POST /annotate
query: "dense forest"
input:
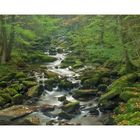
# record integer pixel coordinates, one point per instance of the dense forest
(70, 70)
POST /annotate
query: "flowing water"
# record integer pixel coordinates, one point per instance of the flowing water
(84, 117)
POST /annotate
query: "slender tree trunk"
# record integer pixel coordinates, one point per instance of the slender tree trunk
(3, 40)
(11, 40)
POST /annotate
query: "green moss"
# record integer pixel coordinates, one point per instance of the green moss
(3, 84)
(39, 57)
(133, 104)
(128, 119)
(84, 94)
(2, 101)
(122, 108)
(8, 77)
(29, 84)
(109, 95)
(18, 87)
(64, 84)
(51, 74)
(71, 107)
(20, 75)
(6, 97)
(17, 99)
(10, 91)
(126, 95)
(34, 91)
(118, 86)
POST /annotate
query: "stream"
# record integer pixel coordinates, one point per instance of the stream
(89, 113)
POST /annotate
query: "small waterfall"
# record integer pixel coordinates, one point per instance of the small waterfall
(40, 78)
(100, 113)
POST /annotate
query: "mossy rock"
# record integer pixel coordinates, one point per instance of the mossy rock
(51, 74)
(6, 97)
(133, 104)
(91, 82)
(93, 77)
(71, 107)
(50, 83)
(20, 75)
(84, 94)
(118, 85)
(10, 91)
(8, 77)
(1, 91)
(35, 91)
(121, 109)
(17, 99)
(128, 118)
(126, 95)
(3, 84)
(30, 79)
(110, 95)
(2, 101)
(29, 84)
(39, 57)
(65, 85)
(17, 87)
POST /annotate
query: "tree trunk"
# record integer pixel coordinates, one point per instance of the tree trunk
(11, 40)
(3, 40)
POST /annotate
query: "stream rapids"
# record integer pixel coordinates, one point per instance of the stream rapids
(51, 117)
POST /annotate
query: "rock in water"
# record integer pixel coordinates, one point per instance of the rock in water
(84, 94)
(14, 112)
(35, 91)
(71, 107)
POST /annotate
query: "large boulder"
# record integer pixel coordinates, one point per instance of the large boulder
(118, 86)
(35, 91)
(10, 91)
(65, 85)
(20, 75)
(18, 86)
(29, 84)
(50, 83)
(71, 107)
(84, 94)
(91, 78)
(51, 74)
(14, 112)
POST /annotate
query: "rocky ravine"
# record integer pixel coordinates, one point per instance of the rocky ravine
(68, 97)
